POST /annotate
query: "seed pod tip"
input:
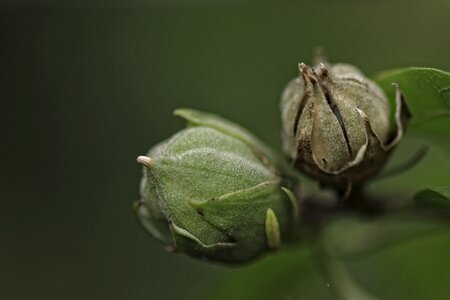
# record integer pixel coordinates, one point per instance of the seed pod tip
(146, 161)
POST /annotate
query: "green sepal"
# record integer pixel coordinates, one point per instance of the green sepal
(156, 226)
(179, 234)
(242, 215)
(260, 149)
(201, 163)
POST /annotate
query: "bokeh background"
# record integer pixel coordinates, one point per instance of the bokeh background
(86, 86)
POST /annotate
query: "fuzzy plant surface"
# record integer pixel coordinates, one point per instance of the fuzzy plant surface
(341, 191)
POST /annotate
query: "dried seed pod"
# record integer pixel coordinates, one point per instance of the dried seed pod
(336, 124)
(211, 191)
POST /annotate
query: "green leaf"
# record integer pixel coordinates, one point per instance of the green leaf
(400, 272)
(355, 237)
(288, 274)
(427, 92)
(437, 198)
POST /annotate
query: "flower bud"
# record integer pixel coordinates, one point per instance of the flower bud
(210, 191)
(336, 124)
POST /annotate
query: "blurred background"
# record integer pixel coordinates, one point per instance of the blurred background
(87, 86)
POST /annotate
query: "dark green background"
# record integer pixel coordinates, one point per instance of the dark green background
(87, 87)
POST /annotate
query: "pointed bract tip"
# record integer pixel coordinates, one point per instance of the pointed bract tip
(302, 66)
(323, 70)
(272, 230)
(146, 161)
(307, 73)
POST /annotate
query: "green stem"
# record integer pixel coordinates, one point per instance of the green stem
(338, 278)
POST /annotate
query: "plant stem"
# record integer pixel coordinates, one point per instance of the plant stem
(338, 278)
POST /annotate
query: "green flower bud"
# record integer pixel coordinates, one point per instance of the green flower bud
(336, 124)
(211, 191)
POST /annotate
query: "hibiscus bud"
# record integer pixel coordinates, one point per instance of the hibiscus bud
(211, 192)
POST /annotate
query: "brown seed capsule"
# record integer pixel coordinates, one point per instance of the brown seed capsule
(336, 124)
